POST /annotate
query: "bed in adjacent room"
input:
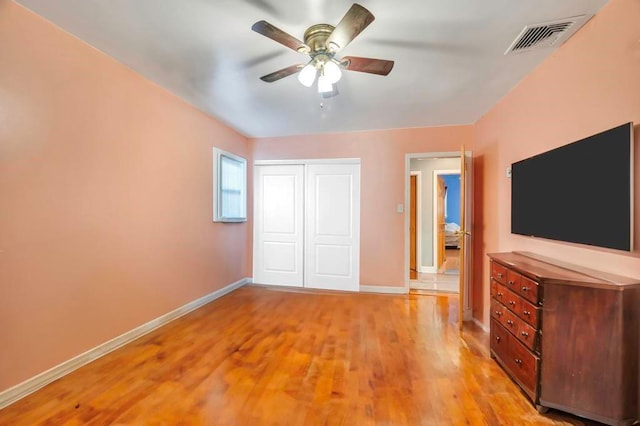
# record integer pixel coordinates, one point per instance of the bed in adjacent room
(451, 235)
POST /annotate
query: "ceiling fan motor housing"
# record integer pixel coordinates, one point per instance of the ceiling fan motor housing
(316, 37)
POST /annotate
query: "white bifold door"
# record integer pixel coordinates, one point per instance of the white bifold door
(307, 225)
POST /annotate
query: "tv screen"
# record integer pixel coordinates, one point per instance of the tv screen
(579, 193)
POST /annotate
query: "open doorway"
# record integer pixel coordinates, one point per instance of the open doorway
(434, 263)
(447, 224)
(438, 176)
(426, 252)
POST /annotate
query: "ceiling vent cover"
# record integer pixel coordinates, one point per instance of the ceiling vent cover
(546, 34)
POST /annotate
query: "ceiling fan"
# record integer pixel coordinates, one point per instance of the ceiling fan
(322, 42)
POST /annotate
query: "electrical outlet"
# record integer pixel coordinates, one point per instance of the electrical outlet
(509, 172)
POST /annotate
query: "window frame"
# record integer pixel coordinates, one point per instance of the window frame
(218, 169)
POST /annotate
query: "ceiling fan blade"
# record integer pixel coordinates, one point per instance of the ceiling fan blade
(368, 65)
(356, 19)
(284, 72)
(276, 34)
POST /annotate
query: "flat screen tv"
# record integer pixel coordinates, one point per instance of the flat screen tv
(580, 193)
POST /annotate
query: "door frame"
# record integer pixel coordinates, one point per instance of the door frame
(436, 173)
(418, 175)
(469, 215)
(304, 162)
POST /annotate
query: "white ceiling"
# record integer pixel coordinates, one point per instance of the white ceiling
(449, 62)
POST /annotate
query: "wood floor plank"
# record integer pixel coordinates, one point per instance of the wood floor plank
(265, 356)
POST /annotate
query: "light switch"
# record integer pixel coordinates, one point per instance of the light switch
(509, 172)
(400, 208)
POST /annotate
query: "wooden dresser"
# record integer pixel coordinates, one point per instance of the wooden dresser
(568, 336)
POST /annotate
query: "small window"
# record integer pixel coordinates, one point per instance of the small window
(230, 187)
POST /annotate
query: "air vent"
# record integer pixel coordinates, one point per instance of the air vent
(547, 34)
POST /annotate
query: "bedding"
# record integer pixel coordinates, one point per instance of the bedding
(451, 236)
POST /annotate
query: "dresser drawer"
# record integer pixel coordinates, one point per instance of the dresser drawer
(498, 311)
(512, 301)
(530, 290)
(527, 335)
(515, 325)
(500, 293)
(510, 321)
(523, 364)
(498, 272)
(529, 312)
(499, 339)
(514, 280)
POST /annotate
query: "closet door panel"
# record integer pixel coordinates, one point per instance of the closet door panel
(278, 225)
(332, 251)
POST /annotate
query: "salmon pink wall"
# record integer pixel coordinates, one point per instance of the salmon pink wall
(382, 170)
(590, 84)
(105, 195)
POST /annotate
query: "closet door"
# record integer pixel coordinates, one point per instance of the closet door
(278, 225)
(332, 247)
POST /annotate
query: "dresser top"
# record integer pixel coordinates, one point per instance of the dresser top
(549, 270)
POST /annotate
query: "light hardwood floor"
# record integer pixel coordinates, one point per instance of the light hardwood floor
(261, 356)
(436, 283)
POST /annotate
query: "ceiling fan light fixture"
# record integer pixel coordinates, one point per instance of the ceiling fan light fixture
(307, 75)
(332, 71)
(324, 85)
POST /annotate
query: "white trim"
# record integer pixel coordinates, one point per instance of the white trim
(443, 154)
(383, 289)
(480, 324)
(436, 173)
(218, 216)
(308, 161)
(31, 385)
(418, 173)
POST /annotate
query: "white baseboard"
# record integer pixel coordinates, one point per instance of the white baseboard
(480, 324)
(31, 385)
(383, 289)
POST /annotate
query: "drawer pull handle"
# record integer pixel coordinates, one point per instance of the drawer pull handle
(497, 338)
(525, 334)
(511, 282)
(499, 294)
(498, 313)
(509, 322)
(527, 313)
(518, 361)
(512, 303)
(525, 289)
(499, 274)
